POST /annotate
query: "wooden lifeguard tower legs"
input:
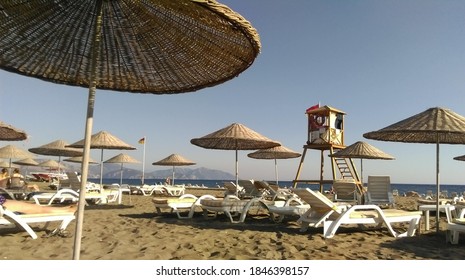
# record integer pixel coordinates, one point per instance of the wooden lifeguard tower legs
(342, 168)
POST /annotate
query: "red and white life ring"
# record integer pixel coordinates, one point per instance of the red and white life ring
(317, 121)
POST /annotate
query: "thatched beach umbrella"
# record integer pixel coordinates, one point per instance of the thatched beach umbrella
(461, 158)
(362, 150)
(10, 133)
(122, 159)
(279, 152)
(433, 126)
(235, 137)
(158, 47)
(174, 160)
(26, 162)
(51, 164)
(104, 140)
(12, 152)
(57, 148)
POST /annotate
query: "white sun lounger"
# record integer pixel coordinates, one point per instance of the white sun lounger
(184, 202)
(8, 219)
(232, 206)
(324, 211)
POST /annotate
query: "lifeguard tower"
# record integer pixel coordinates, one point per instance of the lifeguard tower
(326, 133)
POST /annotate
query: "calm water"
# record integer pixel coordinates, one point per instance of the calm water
(402, 188)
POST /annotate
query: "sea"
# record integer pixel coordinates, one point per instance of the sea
(402, 189)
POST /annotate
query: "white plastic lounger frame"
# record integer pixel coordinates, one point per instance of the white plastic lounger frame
(231, 205)
(9, 218)
(455, 226)
(324, 211)
(291, 207)
(58, 197)
(376, 216)
(174, 190)
(185, 202)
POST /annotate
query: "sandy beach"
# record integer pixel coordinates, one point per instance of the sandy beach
(133, 231)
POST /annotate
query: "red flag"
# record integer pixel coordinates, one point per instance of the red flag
(142, 141)
(313, 108)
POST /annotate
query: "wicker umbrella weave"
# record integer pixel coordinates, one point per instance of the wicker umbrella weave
(10, 133)
(168, 46)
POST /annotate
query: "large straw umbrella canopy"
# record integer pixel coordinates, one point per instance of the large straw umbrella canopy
(362, 150)
(275, 153)
(10, 133)
(174, 160)
(432, 126)
(51, 164)
(235, 137)
(158, 47)
(12, 152)
(104, 140)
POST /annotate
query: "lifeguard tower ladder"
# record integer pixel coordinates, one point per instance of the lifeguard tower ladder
(326, 133)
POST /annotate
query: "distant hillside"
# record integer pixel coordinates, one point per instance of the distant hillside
(200, 173)
(112, 171)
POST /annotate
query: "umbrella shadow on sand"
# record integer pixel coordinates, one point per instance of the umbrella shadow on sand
(108, 207)
(431, 245)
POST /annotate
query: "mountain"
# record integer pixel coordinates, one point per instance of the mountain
(112, 171)
(200, 173)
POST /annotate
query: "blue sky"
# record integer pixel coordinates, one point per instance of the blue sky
(378, 61)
